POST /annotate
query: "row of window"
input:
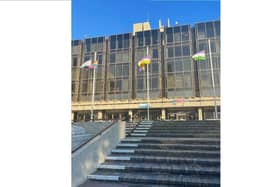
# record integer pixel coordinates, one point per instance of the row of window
(120, 41)
(209, 29)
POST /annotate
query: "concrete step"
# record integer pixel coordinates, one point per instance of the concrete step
(167, 153)
(161, 159)
(170, 146)
(182, 135)
(159, 179)
(161, 168)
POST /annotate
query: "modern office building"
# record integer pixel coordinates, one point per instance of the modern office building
(179, 87)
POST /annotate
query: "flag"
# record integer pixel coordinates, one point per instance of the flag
(143, 61)
(89, 64)
(199, 56)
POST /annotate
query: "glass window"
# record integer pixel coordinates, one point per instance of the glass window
(155, 36)
(179, 81)
(217, 28)
(140, 84)
(186, 50)
(73, 87)
(125, 57)
(210, 29)
(74, 62)
(154, 83)
(185, 33)
(111, 70)
(140, 38)
(84, 86)
(113, 42)
(170, 67)
(201, 31)
(75, 42)
(126, 41)
(187, 64)
(213, 46)
(170, 81)
(169, 35)
(147, 37)
(170, 52)
(178, 51)
(100, 40)
(112, 85)
(119, 85)
(120, 40)
(178, 66)
(99, 58)
(112, 58)
(125, 70)
(188, 80)
(155, 53)
(125, 85)
(154, 68)
(177, 34)
(119, 70)
(88, 41)
(202, 46)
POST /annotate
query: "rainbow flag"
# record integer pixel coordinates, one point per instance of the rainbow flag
(89, 64)
(199, 56)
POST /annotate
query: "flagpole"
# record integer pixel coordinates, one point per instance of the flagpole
(213, 80)
(93, 90)
(148, 87)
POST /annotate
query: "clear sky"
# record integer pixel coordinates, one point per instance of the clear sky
(93, 18)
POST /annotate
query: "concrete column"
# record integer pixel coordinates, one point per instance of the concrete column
(200, 115)
(99, 115)
(130, 114)
(163, 114)
(72, 116)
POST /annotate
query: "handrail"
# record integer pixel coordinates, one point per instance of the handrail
(99, 133)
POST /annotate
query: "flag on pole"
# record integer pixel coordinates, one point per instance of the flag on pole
(143, 61)
(199, 56)
(89, 64)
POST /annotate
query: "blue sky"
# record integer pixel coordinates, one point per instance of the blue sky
(93, 18)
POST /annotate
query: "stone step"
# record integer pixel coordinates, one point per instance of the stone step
(170, 146)
(138, 134)
(167, 153)
(161, 168)
(159, 179)
(182, 135)
(161, 159)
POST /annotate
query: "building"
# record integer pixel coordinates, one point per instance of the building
(179, 87)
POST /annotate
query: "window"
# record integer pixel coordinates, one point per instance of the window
(202, 46)
(177, 34)
(169, 35)
(75, 42)
(74, 62)
(188, 80)
(178, 66)
(171, 82)
(210, 29)
(154, 68)
(140, 38)
(170, 67)
(125, 70)
(178, 51)
(185, 33)
(99, 58)
(201, 31)
(187, 64)
(125, 85)
(112, 58)
(112, 85)
(154, 83)
(111, 70)
(125, 57)
(119, 85)
(179, 81)
(147, 37)
(119, 38)
(113, 42)
(213, 46)
(170, 52)
(73, 86)
(126, 41)
(118, 70)
(186, 50)
(155, 53)
(140, 84)
(154, 36)
(88, 44)
(217, 28)
(84, 86)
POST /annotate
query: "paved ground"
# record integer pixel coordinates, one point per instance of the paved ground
(107, 184)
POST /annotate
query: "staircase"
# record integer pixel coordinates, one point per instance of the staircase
(177, 153)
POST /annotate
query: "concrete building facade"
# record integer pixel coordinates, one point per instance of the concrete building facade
(180, 88)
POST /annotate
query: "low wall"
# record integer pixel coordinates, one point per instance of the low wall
(86, 159)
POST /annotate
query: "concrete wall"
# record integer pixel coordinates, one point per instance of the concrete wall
(86, 159)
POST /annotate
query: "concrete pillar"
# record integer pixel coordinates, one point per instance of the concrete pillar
(130, 114)
(99, 115)
(163, 114)
(120, 116)
(72, 116)
(200, 115)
